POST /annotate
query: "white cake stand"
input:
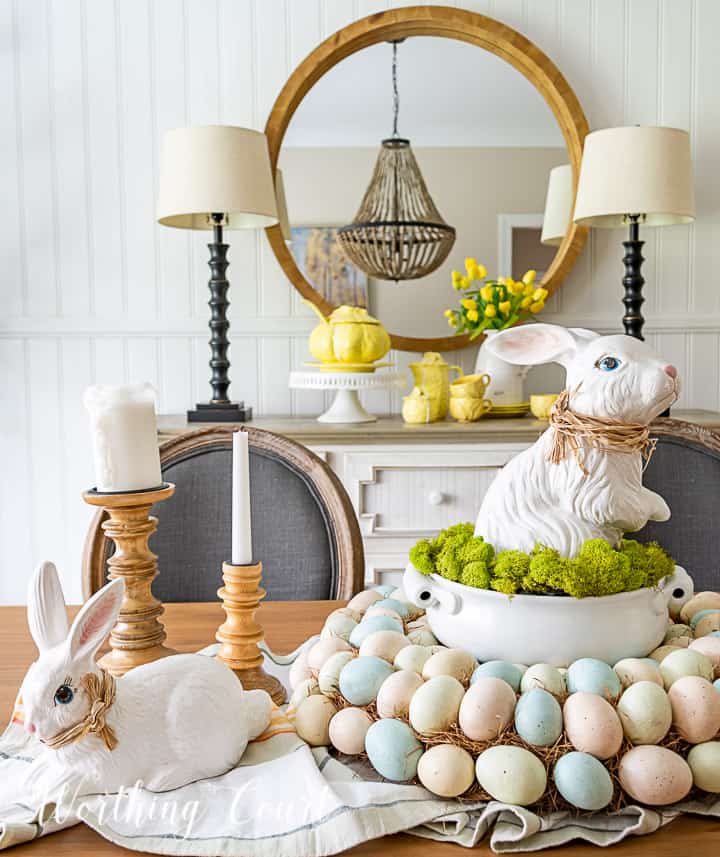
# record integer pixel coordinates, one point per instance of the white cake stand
(346, 407)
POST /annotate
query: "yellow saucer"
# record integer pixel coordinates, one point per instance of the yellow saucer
(516, 410)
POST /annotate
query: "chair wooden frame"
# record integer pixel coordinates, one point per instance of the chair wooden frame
(691, 432)
(340, 513)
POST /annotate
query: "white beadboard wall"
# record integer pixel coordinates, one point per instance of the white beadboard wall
(93, 290)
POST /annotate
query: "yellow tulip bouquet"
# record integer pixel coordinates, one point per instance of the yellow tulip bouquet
(493, 304)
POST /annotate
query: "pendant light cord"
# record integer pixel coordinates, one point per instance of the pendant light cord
(396, 96)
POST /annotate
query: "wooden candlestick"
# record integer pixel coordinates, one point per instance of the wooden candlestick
(138, 636)
(240, 634)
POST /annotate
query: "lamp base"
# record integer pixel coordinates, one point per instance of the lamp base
(217, 412)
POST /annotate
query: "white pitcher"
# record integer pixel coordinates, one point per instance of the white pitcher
(506, 379)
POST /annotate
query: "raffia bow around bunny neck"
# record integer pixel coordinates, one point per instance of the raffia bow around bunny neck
(578, 430)
(101, 693)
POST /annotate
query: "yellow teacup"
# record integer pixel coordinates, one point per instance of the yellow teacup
(541, 405)
(468, 409)
(472, 386)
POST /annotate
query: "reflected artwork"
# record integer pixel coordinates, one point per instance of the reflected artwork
(325, 266)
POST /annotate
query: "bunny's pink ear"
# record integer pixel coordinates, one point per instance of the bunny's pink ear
(95, 620)
(532, 344)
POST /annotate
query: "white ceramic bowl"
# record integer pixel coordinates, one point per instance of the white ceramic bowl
(531, 629)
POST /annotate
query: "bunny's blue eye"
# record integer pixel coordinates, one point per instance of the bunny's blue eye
(607, 364)
(63, 695)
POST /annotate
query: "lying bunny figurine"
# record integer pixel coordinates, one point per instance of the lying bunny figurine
(158, 729)
(535, 500)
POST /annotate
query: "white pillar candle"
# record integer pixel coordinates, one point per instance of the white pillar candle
(241, 531)
(124, 437)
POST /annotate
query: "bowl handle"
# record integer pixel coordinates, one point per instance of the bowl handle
(677, 587)
(424, 592)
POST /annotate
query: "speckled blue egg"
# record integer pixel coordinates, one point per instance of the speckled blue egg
(385, 589)
(593, 676)
(360, 679)
(538, 718)
(393, 750)
(370, 624)
(510, 673)
(400, 607)
(583, 781)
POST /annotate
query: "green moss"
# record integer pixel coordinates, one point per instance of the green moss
(597, 570)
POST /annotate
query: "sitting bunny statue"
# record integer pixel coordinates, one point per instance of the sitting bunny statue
(562, 494)
(153, 725)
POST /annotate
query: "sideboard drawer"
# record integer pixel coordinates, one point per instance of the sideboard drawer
(414, 493)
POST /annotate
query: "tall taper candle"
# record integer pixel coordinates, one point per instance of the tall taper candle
(241, 532)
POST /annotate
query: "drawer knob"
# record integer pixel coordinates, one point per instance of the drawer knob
(436, 498)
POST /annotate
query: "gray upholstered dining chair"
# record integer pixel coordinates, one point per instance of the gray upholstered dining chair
(304, 528)
(685, 470)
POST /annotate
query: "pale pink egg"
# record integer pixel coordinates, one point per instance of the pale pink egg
(322, 650)
(695, 708)
(487, 708)
(592, 725)
(655, 775)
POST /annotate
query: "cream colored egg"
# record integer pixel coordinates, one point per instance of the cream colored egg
(323, 649)
(592, 724)
(393, 699)
(435, 704)
(684, 662)
(710, 647)
(700, 601)
(422, 637)
(677, 630)
(695, 708)
(454, 662)
(412, 658)
(487, 708)
(446, 770)
(704, 761)
(312, 720)
(632, 670)
(383, 644)
(662, 652)
(655, 775)
(347, 730)
(545, 677)
(329, 675)
(307, 687)
(645, 713)
(339, 624)
(364, 599)
(511, 774)
(299, 670)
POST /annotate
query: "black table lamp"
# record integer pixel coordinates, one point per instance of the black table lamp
(639, 175)
(217, 177)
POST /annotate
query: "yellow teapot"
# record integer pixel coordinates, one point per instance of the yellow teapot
(350, 335)
(432, 377)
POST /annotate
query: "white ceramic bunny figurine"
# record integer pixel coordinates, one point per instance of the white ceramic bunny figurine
(534, 500)
(173, 721)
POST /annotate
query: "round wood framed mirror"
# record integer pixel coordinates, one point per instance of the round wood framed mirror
(444, 23)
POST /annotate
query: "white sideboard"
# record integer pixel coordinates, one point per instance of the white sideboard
(410, 482)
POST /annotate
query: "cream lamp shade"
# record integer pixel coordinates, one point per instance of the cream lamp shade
(216, 169)
(558, 205)
(282, 207)
(638, 170)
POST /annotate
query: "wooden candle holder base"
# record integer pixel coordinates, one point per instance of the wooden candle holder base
(240, 634)
(138, 636)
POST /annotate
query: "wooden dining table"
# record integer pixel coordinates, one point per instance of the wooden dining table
(286, 625)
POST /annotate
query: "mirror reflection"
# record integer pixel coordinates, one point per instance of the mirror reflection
(484, 141)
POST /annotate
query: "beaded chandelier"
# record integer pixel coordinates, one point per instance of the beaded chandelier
(397, 233)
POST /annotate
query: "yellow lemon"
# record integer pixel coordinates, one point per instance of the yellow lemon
(473, 315)
(504, 307)
(537, 306)
(490, 311)
(469, 303)
(529, 277)
(540, 294)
